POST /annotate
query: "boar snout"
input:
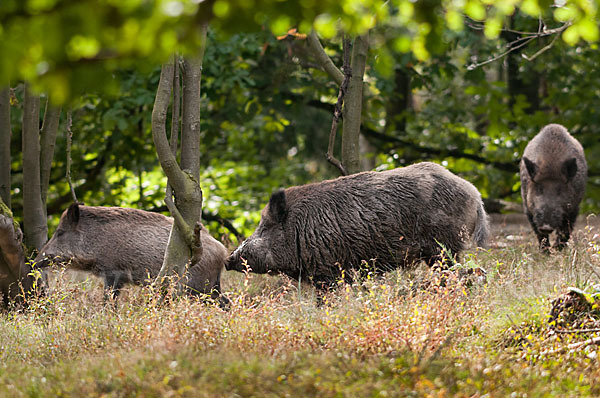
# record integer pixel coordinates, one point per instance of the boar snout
(231, 264)
(546, 229)
(44, 260)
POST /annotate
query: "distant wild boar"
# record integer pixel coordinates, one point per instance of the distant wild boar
(390, 219)
(553, 178)
(127, 246)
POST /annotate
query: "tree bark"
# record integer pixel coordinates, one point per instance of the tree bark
(5, 134)
(353, 106)
(34, 214)
(48, 143)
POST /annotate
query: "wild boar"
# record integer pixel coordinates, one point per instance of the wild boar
(553, 178)
(127, 246)
(389, 219)
(15, 277)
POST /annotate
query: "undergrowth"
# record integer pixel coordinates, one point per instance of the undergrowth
(408, 333)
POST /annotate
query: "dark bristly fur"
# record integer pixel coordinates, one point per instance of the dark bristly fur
(390, 219)
(127, 246)
(553, 179)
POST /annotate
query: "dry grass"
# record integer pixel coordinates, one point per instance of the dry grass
(382, 337)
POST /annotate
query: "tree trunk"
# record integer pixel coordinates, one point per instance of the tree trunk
(184, 180)
(353, 106)
(5, 134)
(48, 143)
(34, 214)
(399, 102)
(517, 82)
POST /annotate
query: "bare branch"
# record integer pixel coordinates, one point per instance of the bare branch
(497, 57)
(576, 331)
(69, 141)
(571, 347)
(323, 59)
(541, 51)
(523, 41)
(338, 109)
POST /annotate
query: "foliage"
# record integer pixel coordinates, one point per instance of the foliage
(65, 49)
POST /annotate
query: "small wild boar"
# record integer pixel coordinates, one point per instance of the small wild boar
(127, 246)
(553, 178)
(389, 219)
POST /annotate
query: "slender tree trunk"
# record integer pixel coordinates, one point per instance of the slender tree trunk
(190, 118)
(5, 134)
(48, 143)
(353, 97)
(34, 215)
(353, 106)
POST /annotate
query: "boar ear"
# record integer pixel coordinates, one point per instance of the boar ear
(277, 206)
(570, 168)
(73, 213)
(531, 167)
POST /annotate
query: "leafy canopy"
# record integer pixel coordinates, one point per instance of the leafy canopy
(68, 48)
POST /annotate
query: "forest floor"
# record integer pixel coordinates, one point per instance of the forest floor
(409, 333)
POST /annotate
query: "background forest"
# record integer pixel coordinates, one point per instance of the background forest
(464, 83)
(266, 109)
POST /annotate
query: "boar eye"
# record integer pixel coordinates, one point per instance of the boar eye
(59, 233)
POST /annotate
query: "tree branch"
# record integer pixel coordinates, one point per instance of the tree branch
(178, 219)
(338, 109)
(512, 167)
(159, 117)
(571, 347)
(523, 41)
(206, 216)
(323, 59)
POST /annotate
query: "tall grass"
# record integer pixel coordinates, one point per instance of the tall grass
(403, 334)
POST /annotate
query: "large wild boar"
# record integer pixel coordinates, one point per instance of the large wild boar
(390, 219)
(127, 246)
(553, 178)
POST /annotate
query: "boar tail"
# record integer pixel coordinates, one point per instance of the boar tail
(482, 227)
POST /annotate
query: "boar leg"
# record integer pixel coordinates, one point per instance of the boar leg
(113, 282)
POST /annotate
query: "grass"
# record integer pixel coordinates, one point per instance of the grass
(399, 335)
